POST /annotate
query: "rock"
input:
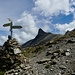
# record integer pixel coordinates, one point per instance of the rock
(53, 57)
(62, 72)
(48, 53)
(57, 51)
(54, 62)
(27, 67)
(62, 67)
(51, 69)
(22, 66)
(73, 73)
(59, 74)
(67, 53)
(66, 61)
(43, 61)
(55, 54)
(68, 50)
(16, 73)
(71, 41)
(17, 50)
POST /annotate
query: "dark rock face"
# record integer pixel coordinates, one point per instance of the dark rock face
(40, 39)
(41, 32)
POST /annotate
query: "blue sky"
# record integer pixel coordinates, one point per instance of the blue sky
(56, 16)
(62, 19)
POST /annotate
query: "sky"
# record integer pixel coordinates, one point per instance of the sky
(55, 16)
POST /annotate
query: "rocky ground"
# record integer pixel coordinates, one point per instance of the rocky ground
(57, 59)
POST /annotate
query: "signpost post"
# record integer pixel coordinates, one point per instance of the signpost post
(11, 26)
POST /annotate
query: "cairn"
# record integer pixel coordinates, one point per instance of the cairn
(9, 54)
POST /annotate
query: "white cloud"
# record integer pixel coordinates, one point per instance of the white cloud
(74, 15)
(2, 39)
(28, 22)
(64, 27)
(23, 37)
(30, 26)
(46, 28)
(53, 7)
(45, 24)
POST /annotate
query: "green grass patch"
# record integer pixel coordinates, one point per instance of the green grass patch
(1, 73)
(33, 51)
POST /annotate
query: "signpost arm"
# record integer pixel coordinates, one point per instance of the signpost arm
(11, 26)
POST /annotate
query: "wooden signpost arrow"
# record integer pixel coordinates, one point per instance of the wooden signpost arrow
(11, 26)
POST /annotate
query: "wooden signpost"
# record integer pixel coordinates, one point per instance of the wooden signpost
(11, 26)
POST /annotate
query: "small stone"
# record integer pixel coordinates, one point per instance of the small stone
(22, 66)
(17, 50)
(48, 53)
(51, 69)
(55, 54)
(59, 74)
(68, 50)
(62, 72)
(73, 74)
(57, 51)
(43, 61)
(62, 67)
(66, 61)
(54, 62)
(27, 67)
(16, 73)
(53, 57)
(67, 53)
(61, 50)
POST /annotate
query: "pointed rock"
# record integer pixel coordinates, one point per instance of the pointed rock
(40, 31)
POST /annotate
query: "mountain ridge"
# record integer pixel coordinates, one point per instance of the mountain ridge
(41, 38)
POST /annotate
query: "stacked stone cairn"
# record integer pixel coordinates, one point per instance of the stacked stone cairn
(12, 60)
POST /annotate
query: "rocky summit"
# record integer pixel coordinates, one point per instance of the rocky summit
(41, 38)
(55, 57)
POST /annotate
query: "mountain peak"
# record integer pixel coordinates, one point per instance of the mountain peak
(41, 38)
(40, 31)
